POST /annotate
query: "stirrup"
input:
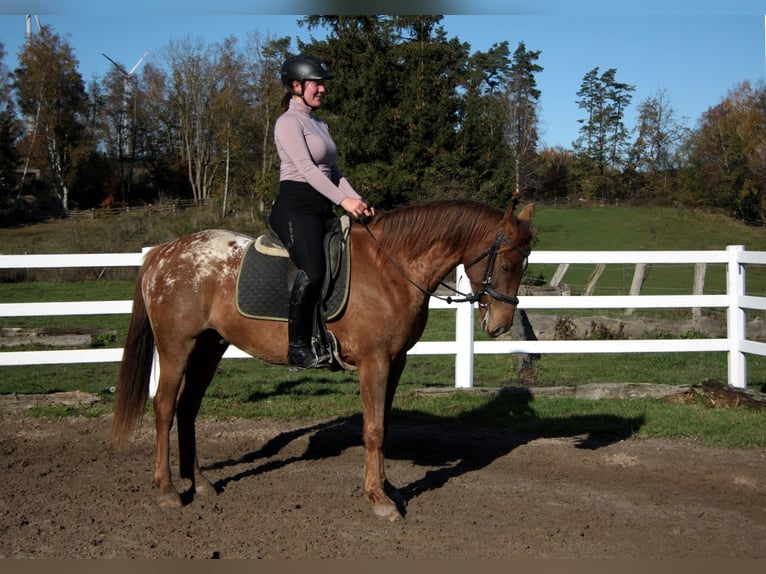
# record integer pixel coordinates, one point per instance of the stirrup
(302, 358)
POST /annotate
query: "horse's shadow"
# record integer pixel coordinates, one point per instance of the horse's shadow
(463, 444)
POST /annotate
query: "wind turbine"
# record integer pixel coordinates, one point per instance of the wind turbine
(122, 69)
(126, 133)
(127, 88)
(29, 27)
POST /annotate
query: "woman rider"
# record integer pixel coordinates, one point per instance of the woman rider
(310, 184)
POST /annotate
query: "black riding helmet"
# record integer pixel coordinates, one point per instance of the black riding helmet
(304, 67)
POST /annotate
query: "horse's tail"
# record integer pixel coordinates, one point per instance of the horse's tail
(135, 368)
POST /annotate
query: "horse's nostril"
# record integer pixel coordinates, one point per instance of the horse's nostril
(499, 331)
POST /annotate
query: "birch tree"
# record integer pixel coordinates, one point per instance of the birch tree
(51, 92)
(659, 134)
(193, 88)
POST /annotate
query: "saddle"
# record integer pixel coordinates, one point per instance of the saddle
(266, 276)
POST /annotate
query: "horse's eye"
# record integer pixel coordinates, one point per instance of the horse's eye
(504, 266)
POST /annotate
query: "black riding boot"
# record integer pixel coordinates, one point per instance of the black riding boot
(300, 324)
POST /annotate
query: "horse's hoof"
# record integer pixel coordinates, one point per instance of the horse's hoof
(170, 500)
(387, 510)
(204, 488)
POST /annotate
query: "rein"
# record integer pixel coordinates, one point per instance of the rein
(486, 284)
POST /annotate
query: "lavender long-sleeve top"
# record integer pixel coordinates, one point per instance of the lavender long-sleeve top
(308, 153)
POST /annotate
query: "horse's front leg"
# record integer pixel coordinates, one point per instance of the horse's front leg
(377, 386)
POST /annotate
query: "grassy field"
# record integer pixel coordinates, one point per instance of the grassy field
(643, 229)
(250, 388)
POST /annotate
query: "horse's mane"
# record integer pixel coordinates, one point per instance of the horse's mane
(409, 229)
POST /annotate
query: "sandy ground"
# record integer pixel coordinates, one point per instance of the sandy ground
(295, 491)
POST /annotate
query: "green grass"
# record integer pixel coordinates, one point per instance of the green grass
(639, 228)
(248, 388)
(83, 290)
(87, 290)
(643, 229)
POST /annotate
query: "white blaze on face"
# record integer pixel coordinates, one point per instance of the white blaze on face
(485, 320)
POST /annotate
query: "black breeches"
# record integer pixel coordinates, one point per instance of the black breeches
(298, 217)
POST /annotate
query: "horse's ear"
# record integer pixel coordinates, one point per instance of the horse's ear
(508, 216)
(527, 213)
(524, 215)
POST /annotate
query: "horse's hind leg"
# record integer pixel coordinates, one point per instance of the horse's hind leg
(199, 372)
(168, 389)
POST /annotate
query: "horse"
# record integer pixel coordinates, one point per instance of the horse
(184, 307)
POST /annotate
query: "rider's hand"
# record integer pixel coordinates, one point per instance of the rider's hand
(357, 207)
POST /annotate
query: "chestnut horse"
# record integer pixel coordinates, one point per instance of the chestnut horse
(184, 305)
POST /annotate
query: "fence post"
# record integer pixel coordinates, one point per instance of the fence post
(590, 287)
(736, 322)
(639, 277)
(154, 375)
(559, 274)
(463, 334)
(699, 286)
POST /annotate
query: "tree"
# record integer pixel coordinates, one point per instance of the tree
(393, 107)
(555, 172)
(481, 151)
(158, 136)
(120, 114)
(727, 155)
(603, 133)
(522, 99)
(263, 57)
(229, 105)
(433, 68)
(658, 137)
(601, 146)
(363, 102)
(195, 84)
(9, 132)
(50, 91)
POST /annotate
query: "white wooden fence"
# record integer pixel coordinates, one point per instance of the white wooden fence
(735, 301)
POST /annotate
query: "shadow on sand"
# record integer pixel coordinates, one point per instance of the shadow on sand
(448, 446)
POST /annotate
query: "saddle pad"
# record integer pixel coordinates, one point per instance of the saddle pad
(263, 286)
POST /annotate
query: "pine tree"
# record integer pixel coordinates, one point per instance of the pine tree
(9, 133)
(522, 98)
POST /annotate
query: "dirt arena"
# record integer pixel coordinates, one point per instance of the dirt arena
(295, 491)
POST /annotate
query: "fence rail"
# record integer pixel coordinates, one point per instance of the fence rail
(735, 301)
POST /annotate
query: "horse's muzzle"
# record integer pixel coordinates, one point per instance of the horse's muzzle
(496, 330)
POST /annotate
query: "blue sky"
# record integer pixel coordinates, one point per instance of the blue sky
(695, 51)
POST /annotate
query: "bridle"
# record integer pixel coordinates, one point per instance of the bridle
(486, 283)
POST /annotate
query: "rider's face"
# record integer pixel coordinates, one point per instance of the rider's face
(313, 91)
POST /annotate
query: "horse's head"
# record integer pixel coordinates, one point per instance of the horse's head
(505, 263)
